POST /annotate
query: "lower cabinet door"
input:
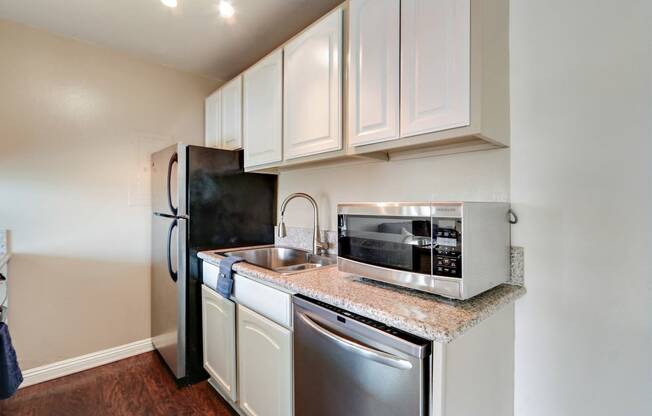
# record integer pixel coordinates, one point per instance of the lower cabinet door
(218, 321)
(264, 365)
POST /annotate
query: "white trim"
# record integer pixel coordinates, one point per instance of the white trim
(84, 362)
(438, 378)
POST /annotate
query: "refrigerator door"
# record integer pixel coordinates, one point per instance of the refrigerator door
(169, 181)
(228, 207)
(168, 288)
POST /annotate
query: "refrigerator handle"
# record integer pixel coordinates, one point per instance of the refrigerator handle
(174, 159)
(173, 274)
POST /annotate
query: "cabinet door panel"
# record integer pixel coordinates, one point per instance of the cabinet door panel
(374, 71)
(264, 365)
(435, 71)
(232, 114)
(312, 89)
(218, 321)
(212, 117)
(262, 111)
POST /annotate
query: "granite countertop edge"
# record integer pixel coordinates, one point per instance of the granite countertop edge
(4, 259)
(444, 328)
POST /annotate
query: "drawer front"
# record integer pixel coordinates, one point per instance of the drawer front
(210, 273)
(267, 301)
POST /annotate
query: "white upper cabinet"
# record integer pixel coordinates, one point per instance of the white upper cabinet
(373, 94)
(218, 321)
(313, 89)
(232, 114)
(212, 117)
(262, 121)
(435, 65)
(264, 365)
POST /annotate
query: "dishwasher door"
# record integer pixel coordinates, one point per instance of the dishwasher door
(345, 364)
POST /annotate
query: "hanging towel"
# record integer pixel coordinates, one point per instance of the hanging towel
(225, 280)
(10, 375)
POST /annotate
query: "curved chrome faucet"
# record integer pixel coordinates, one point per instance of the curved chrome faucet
(318, 247)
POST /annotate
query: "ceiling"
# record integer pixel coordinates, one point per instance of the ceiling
(192, 37)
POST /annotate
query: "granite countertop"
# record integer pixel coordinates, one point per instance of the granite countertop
(4, 259)
(425, 315)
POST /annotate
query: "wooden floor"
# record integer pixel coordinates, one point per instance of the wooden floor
(139, 385)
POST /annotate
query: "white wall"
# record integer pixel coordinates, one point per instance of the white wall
(77, 123)
(475, 176)
(581, 169)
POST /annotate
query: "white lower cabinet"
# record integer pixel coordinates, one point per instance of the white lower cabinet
(219, 339)
(264, 365)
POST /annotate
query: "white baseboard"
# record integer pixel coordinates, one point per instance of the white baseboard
(84, 362)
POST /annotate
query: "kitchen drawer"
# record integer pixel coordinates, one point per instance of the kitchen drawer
(267, 301)
(210, 272)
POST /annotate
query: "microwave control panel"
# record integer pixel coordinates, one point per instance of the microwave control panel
(447, 250)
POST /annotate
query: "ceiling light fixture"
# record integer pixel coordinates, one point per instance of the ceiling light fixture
(170, 3)
(226, 9)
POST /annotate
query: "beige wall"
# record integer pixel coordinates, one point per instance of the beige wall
(77, 123)
(474, 176)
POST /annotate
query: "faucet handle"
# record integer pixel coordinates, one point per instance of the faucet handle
(322, 247)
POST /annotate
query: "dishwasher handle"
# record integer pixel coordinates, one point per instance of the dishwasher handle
(370, 353)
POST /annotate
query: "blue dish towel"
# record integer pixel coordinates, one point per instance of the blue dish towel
(225, 280)
(10, 375)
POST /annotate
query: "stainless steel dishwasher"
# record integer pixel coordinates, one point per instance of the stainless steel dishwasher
(346, 364)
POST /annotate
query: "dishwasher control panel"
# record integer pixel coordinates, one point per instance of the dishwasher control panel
(343, 315)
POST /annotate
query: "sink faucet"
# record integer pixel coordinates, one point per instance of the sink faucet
(318, 247)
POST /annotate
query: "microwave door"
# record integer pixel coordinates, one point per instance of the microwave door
(169, 181)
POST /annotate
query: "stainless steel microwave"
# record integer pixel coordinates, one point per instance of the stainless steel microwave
(453, 249)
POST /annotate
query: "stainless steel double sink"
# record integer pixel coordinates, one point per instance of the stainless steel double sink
(283, 260)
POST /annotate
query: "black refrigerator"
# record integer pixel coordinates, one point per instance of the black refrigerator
(201, 199)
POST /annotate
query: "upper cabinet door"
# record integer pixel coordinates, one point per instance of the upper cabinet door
(435, 65)
(374, 43)
(232, 114)
(212, 117)
(313, 89)
(262, 122)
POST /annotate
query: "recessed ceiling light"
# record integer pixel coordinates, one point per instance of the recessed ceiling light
(226, 9)
(170, 3)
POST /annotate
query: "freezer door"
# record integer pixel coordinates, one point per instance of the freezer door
(169, 181)
(169, 291)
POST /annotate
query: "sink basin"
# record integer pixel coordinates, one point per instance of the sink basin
(283, 260)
